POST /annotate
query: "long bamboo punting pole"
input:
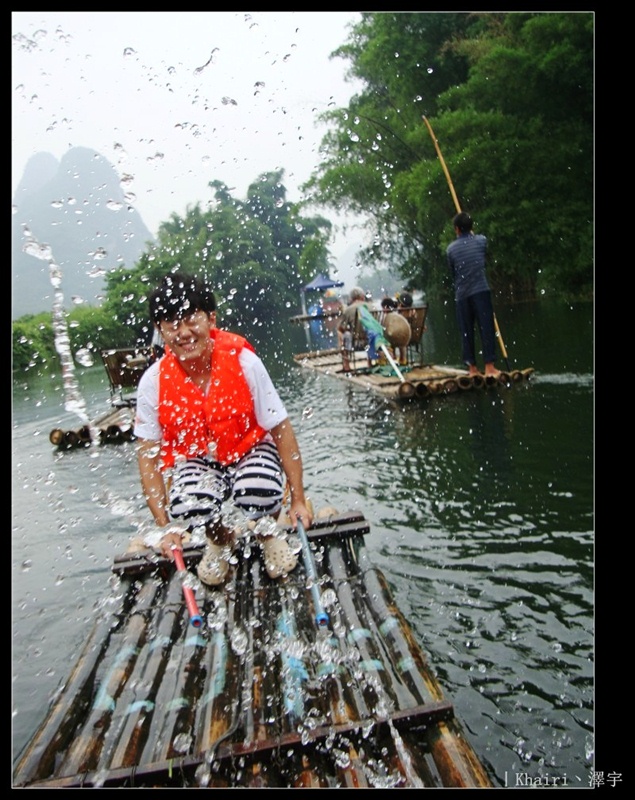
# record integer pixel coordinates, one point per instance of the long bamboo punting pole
(457, 205)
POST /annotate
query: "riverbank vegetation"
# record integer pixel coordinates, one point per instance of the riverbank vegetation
(509, 97)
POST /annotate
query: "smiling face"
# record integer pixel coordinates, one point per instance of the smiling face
(188, 337)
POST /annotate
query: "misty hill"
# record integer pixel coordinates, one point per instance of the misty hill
(75, 213)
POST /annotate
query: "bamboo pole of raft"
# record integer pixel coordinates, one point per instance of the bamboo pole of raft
(453, 756)
(369, 671)
(253, 661)
(256, 698)
(293, 670)
(139, 702)
(340, 711)
(183, 709)
(396, 688)
(262, 710)
(407, 656)
(84, 752)
(425, 684)
(297, 705)
(449, 386)
(221, 698)
(344, 704)
(174, 696)
(37, 761)
(308, 778)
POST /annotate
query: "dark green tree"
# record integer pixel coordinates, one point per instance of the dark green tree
(404, 62)
(510, 97)
(256, 254)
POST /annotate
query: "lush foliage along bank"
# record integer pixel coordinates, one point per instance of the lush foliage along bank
(509, 97)
(256, 253)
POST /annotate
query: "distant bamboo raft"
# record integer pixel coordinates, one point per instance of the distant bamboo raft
(113, 427)
(427, 380)
(259, 696)
(124, 368)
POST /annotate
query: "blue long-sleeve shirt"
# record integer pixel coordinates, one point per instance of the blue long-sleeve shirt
(466, 258)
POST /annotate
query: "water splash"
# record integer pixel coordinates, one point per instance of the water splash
(565, 378)
(73, 400)
(405, 757)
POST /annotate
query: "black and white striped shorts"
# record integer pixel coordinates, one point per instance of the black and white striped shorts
(200, 486)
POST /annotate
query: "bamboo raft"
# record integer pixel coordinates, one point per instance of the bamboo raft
(259, 695)
(124, 368)
(112, 427)
(419, 380)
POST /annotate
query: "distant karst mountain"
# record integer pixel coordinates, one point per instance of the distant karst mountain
(75, 213)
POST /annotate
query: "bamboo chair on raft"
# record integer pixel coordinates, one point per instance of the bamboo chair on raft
(124, 367)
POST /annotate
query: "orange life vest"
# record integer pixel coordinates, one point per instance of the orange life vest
(221, 424)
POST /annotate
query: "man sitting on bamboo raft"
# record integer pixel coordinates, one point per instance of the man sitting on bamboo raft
(211, 426)
(351, 321)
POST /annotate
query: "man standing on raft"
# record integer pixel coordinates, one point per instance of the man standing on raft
(466, 259)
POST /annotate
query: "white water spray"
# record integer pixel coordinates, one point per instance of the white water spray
(73, 400)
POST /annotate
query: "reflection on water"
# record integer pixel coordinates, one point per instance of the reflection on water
(480, 507)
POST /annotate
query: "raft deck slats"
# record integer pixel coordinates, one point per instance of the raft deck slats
(259, 696)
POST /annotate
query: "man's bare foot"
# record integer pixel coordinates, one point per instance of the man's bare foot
(491, 371)
(473, 370)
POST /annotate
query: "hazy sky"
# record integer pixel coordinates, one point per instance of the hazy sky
(176, 99)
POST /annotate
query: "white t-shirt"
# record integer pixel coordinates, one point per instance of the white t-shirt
(268, 406)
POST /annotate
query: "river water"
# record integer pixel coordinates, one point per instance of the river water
(481, 507)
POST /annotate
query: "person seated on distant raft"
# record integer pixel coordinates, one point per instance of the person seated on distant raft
(347, 349)
(387, 305)
(405, 300)
(397, 330)
(350, 319)
(209, 416)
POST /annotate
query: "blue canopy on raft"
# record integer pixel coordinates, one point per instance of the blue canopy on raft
(322, 282)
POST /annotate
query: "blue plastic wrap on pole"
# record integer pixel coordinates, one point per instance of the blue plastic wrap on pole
(321, 617)
(372, 325)
(294, 672)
